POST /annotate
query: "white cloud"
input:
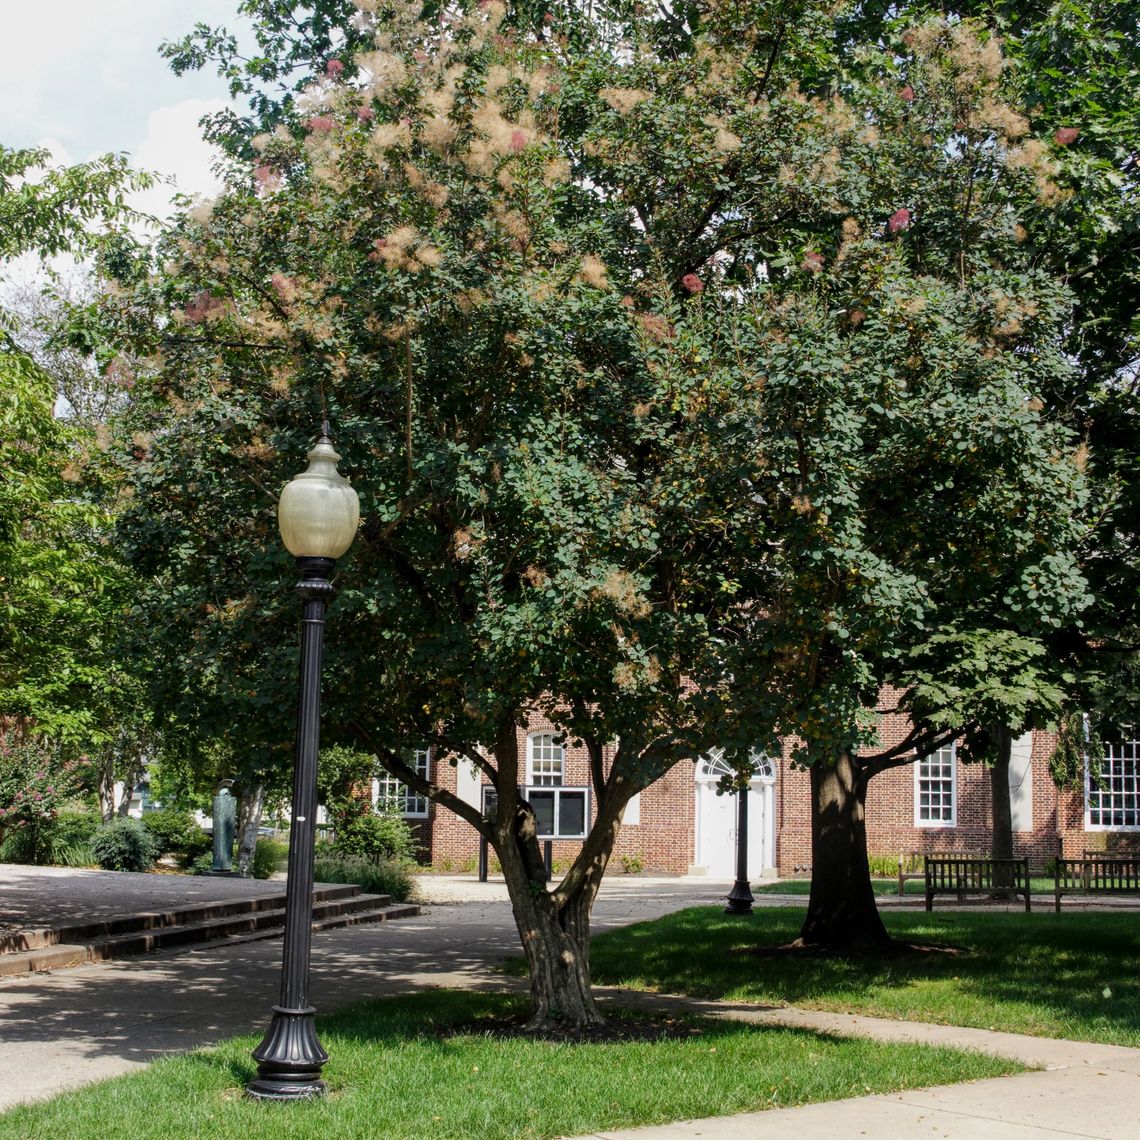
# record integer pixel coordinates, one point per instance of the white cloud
(174, 147)
(88, 72)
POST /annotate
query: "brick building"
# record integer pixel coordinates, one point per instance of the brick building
(680, 825)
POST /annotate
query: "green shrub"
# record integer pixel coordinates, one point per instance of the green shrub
(374, 837)
(25, 846)
(63, 840)
(632, 864)
(71, 838)
(177, 833)
(202, 844)
(124, 845)
(883, 866)
(386, 877)
(36, 783)
(269, 856)
(73, 855)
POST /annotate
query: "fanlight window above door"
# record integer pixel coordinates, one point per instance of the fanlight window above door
(713, 766)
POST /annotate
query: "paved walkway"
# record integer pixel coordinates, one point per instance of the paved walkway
(69, 1028)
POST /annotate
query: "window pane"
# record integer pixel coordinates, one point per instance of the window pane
(572, 813)
(546, 760)
(543, 805)
(392, 795)
(934, 787)
(490, 803)
(1113, 789)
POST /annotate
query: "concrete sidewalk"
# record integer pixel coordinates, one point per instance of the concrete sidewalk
(1084, 1090)
(72, 1027)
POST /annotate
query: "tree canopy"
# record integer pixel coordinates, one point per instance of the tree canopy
(691, 367)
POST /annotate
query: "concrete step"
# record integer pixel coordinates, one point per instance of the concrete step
(373, 914)
(140, 934)
(18, 941)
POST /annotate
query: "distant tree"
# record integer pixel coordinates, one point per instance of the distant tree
(49, 210)
(61, 588)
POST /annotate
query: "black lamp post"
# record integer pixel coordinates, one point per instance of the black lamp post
(740, 897)
(317, 514)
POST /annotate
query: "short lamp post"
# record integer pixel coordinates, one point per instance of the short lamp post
(740, 897)
(318, 513)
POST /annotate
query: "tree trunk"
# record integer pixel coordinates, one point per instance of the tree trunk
(1001, 844)
(842, 914)
(249, 820)
(554, 928)
(106, 788)
(112, 760)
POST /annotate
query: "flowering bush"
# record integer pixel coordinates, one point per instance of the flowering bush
(35, 782)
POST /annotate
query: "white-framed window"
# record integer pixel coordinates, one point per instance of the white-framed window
(389, 794)
(560, 813)
(936, 788)
(1112, 795)
(545, 760)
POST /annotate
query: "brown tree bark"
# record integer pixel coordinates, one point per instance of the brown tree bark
(106, 791)
(554, 925)
(128, 762)
(1001, 843)
(842, 914)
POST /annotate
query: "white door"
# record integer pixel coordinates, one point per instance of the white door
(716, 819)
(716, 831)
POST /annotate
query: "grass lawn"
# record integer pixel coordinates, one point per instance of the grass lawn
(1066, 975)
(880, 887)
(393, 1075)
(803, 887)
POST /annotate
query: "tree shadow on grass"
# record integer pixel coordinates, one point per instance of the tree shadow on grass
(1075, 975)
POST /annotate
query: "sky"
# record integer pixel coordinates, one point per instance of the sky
(84, 77)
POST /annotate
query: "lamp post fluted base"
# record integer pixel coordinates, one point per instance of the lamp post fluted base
(289, 1058)
(739, 898)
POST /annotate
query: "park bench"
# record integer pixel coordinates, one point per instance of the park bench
(1098, 874)
(961, 875)
(912, 864)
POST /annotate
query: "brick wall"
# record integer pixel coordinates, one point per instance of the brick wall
(663, 839)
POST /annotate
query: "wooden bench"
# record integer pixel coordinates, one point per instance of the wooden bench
(1096, 875)
(912, 864)
(961, 876)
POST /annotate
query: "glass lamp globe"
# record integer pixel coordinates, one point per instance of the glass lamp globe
(318, 511)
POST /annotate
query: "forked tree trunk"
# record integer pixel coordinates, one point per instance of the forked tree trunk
(1001, 843)
(249, 820)
(132, 777)
(842, 914)
(557, 944)
(555, 933)
(112, 805)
